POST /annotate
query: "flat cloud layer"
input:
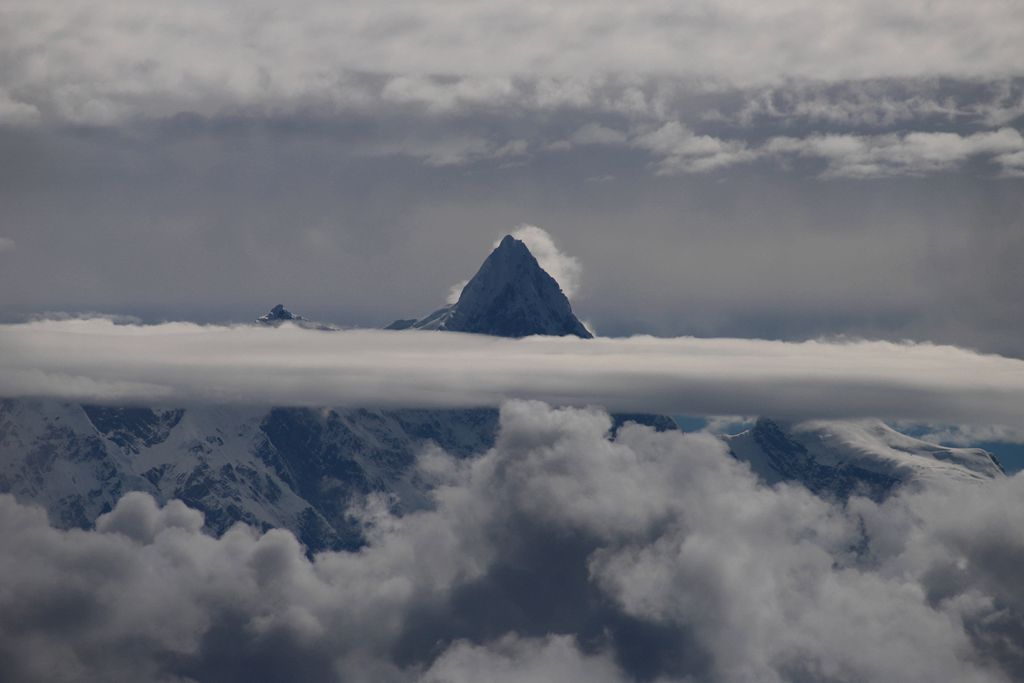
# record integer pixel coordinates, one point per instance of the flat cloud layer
(559, 555)
(98, 360)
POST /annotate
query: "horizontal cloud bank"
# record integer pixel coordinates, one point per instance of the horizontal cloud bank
(844, 155)
(177, 363)
(559, 555)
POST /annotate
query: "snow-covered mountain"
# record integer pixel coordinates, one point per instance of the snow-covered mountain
(301, 468)
(867, 457)
(287, 467)
(510, 296)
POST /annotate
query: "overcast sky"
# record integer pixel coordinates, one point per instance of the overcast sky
(787, 169)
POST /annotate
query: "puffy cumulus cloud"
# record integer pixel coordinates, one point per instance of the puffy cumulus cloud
(565, 269)
(560, 554)
(107, 61)
(138, 517)
(98, 360)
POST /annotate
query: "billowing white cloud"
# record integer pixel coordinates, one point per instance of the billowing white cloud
(565, 269)
(560, 554)
(96, 360)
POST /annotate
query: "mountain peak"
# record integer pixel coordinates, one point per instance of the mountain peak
(508, 242)
(510, 296)
(277, 314)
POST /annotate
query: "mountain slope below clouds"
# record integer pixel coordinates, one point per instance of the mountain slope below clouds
(294, 468)
(837, 458)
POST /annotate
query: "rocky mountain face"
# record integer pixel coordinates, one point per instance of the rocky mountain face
(838, 458)
(302, 469)
(287, 467)
(510, 296)
(279, 315)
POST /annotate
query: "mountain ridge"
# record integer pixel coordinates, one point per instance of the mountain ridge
(302, 468)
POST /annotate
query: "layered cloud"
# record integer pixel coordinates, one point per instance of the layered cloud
(97, 360)
(846, 155)
(558, 555)
(109, 60)
(524, 79)
(916, 153)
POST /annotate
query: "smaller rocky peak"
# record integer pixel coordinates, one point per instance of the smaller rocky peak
(277, 314)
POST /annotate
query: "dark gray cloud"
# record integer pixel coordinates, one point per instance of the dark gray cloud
(558, 555)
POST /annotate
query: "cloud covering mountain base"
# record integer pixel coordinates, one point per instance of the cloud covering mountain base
(178, 363)
(558, 555)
